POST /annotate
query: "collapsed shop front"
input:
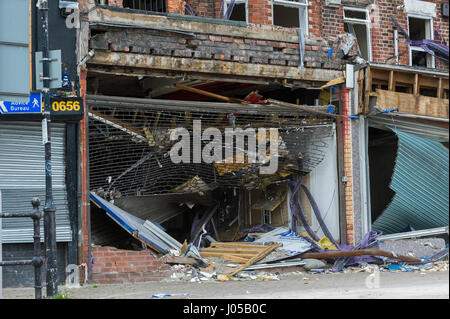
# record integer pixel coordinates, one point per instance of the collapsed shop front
(409, 175)
(407, 150)
(130, 165)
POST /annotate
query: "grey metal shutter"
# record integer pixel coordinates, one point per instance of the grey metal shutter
(22, 176)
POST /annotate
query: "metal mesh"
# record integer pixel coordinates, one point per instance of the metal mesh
(129, 149)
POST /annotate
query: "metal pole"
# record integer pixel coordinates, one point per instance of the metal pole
(49, 209)
(37, 259)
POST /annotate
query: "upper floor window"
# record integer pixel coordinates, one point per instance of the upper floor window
(291, 14)
(420, 28)
(235, 10)
(357, 22)
(146, 5)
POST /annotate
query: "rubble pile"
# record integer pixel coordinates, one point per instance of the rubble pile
(281, 252)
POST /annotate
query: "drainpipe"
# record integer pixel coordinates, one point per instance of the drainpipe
(396, 46)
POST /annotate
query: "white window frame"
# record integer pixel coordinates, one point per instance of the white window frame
(298, 5)
(431, 30)
(226, 3)
(365, 22)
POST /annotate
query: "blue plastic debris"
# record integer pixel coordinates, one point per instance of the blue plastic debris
(394, 267)
(170, 295)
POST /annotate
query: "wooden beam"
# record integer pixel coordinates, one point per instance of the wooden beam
(440, 90)
(367, 89)
(391, 85)
(209, 94)
(416, 87)
(211, 254)
(235, 258)
(255, 259)
(232, 251)
(235, 244)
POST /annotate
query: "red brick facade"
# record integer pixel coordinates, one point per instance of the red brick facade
(112, 265)
(326, 21)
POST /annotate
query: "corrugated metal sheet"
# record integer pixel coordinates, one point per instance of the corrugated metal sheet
(22, 176)
(408, 126)
(421, 184)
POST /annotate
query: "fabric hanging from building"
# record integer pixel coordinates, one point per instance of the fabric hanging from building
(421, 185)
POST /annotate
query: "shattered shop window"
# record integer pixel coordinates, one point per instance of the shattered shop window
(420, 29)
(290, 13)
(146, 5)
(235, 10)
(357, 22)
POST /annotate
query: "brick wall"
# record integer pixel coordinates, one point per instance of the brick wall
(175, 6)
(219, 47)
(382, 30)
(260, 11)
(115, 3)
(348, 166)
(332, 20)
(112, 265)
(443, 31)
(315, 18)
(203, 8)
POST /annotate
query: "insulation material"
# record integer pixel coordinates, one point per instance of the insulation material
(421, 185)
(292, 243)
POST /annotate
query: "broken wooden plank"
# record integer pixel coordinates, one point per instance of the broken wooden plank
(234, 258)
(231, 251)
(217, 254)
(235, 244)
(336, 81)
(255, 259)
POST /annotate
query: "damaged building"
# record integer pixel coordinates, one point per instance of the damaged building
(361, 119)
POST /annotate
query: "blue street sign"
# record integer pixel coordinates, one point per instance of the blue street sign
(34, 105)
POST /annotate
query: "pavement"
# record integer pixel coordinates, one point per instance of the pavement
(305, 285)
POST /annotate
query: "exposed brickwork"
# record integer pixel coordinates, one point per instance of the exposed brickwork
(175, 6)
(348, 162)
(203, 8)
(115, 3)
(260, 11)
(83, 243)
(382, 30)
(219, 47)
(315, 18)
(332, 20)
(112, 265)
